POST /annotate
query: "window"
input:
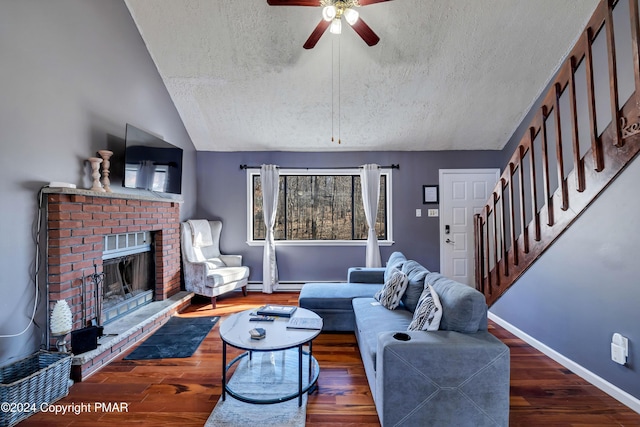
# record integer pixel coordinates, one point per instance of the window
(319, 206)
(160, 174)
(137, 175)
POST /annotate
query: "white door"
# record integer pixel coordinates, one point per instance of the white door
(463, 193)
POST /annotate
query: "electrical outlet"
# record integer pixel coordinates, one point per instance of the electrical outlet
(619, 349)
(617, 354)
(418, 213)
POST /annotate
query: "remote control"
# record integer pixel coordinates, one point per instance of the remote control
(262, 319)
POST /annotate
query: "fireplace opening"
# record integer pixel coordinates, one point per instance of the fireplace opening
(129, 274)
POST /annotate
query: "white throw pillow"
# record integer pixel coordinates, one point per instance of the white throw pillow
(393, 289)
(428, 312)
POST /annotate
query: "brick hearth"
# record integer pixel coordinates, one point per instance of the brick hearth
(78, 220)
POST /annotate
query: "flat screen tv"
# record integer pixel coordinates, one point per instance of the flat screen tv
(151, 163)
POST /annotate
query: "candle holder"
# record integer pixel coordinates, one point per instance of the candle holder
(95, 173)
(106, 155)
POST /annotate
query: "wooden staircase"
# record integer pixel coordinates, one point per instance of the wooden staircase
(578, 142)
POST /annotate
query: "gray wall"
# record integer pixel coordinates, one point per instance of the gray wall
(222, 195)
(73, 73)
(585, 287)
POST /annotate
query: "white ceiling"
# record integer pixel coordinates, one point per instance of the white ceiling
(446, 74)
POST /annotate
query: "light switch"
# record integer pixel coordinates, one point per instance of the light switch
(418, 213)
(432, 212)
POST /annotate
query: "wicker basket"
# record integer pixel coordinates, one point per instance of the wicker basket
(40, 378)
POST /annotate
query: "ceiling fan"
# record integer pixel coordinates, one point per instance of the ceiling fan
(332, 13)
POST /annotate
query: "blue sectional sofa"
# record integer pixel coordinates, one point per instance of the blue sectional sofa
(455, 376)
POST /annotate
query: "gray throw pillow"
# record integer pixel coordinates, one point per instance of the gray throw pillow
(428, 312)
(415, 274)
(393, 289)
(395, 262)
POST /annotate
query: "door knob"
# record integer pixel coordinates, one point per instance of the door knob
(450, 241)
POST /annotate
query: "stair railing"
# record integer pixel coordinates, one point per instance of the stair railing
(577, 143)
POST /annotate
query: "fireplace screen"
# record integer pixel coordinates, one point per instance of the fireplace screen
(128, 284)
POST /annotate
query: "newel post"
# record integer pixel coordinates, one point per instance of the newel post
(479, 252)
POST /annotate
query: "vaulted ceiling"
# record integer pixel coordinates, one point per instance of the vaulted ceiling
(446, 74)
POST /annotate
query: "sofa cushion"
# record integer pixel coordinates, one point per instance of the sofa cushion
(222, 276)
(372, 319)
(428, 312)
(396, 260)
(366, 274)
(393, 289)
(416, 274)
(335, 296)
(464, 309)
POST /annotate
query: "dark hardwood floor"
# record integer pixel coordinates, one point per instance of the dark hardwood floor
(183, 392)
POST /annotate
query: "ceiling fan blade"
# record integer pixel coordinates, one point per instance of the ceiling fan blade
(316, 34)
(368, 2)
(365, 32)
(293, 2)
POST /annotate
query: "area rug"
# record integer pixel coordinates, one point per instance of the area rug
(268, 375)
(180, 337)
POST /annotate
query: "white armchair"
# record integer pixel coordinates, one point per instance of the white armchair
(206, 271)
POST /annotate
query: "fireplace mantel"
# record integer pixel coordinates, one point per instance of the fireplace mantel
(133, 195)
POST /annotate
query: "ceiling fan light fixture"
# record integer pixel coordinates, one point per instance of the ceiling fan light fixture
(336, 26)
(351, 15)
(328, 13)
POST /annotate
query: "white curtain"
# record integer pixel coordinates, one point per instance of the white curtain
(370, 178)
(269, 179)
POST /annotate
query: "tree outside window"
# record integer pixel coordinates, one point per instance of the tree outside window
(319, 207)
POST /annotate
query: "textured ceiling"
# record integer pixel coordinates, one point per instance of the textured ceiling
(446, 75)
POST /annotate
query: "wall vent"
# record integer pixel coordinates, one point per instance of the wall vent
(117, 245)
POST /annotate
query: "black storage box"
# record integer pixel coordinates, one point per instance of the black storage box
(85, 339)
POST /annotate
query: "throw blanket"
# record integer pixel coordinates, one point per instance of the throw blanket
(200, 232)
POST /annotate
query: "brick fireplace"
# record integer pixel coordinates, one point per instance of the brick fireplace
(77, 222)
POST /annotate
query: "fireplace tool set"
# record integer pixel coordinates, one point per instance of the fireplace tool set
(86, 339)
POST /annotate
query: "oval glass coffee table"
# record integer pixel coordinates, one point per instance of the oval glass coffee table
(234, 331)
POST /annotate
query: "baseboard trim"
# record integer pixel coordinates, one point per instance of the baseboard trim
(613, 391)
(286, 286)
(282, 287)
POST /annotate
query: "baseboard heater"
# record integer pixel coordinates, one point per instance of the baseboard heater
(296, 282)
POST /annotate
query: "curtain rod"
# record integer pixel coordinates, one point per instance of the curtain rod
(393, 166)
